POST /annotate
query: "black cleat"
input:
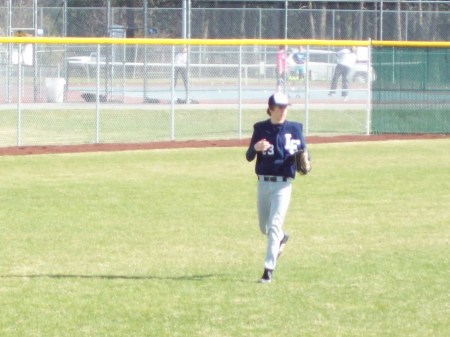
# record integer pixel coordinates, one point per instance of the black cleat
(266, 277)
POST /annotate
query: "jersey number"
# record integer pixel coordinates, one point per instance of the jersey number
(269, 151)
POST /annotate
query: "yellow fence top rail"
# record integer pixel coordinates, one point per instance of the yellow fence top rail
(222, 42)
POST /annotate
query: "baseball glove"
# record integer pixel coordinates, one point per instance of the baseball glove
(302, 162)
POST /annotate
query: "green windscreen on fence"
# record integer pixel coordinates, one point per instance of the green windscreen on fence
(411, 91)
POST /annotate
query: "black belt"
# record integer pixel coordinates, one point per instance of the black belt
(273, 178)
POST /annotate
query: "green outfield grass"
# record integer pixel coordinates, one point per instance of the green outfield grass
(75, 126)
(166, 243)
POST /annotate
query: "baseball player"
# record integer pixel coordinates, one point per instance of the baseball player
(274, 143)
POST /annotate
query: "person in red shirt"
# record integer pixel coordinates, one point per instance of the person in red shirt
(280, 68)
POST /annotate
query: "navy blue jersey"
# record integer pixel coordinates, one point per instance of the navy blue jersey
(285, 139)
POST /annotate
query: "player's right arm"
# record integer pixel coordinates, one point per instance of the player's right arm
(257, 143)
(254, 148)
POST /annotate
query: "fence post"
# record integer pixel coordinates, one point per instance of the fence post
(19, 100)
(307, 91)
(240, 95)
(369, 88)
(97, 98)
(172, 96)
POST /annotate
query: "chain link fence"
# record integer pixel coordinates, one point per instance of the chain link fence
(411, 93)
(69, 93)
(99, 93)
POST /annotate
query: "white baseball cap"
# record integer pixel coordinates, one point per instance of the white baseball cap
(278, 98)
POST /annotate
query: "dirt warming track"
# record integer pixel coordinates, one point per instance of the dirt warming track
(30, 150)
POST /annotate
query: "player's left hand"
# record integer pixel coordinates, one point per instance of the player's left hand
(302, 162)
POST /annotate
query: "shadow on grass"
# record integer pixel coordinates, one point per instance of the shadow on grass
(114, 277)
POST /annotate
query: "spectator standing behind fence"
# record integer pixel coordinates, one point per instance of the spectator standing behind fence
(299, 58)
(181, 67)
(280, 68)
(346, 58)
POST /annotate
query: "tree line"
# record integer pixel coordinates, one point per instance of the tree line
(356, 20)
